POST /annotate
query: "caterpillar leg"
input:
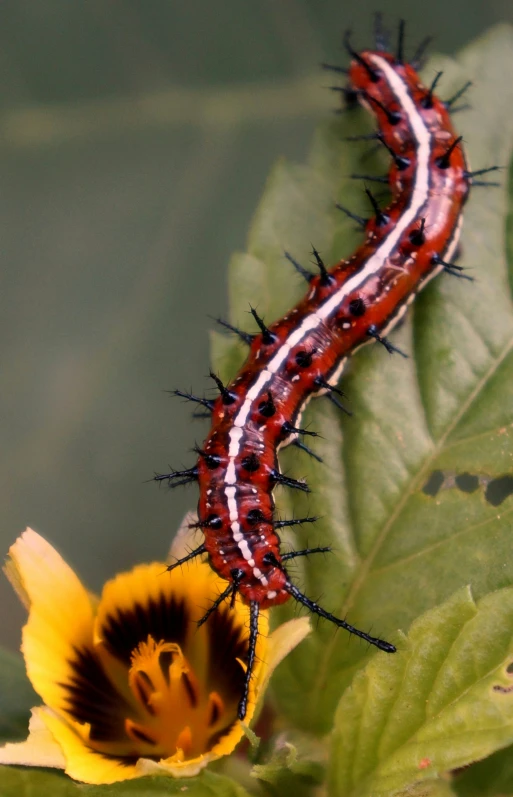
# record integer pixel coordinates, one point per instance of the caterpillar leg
(304, 552)
(218, 601)
(254, 609)
(192, 555)
(316, 609)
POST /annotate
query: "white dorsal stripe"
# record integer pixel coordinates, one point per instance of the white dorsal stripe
(419, 197)
(420, 190)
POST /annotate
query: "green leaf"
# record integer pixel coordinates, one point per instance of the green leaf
(429, 788)
(446, 413)
(26, 782)
(442, 702)
(488, 778)
(292, 769)
(16, 697)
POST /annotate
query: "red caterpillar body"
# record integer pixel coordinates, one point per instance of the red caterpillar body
(370, 291)
(302, 355)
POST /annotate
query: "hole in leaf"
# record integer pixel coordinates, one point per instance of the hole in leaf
(509, 668)
(499, 489)
(504, 689)
(434, 483)
(467, 482)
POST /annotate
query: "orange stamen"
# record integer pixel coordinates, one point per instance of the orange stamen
(177, 717)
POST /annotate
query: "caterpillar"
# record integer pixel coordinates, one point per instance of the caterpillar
(302, 356)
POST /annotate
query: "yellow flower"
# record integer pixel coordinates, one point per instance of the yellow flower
(131, 685)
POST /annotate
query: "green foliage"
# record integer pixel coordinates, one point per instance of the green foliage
(430, 788)
(488, 778)
(16, 698)
(421, 541)
(18, 782)
(442, 702)
(290, 770)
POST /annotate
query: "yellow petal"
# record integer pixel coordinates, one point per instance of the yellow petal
(39, 750)
(174, 769)
(61, 626)
(60, 614)
(49, 584)
(167, 606)
(149, 601)
(281, 642)
(140, 592)
(83, 763)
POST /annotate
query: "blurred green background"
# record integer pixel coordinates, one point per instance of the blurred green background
(135, 140)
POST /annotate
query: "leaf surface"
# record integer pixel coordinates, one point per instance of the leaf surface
(489, 778)
(444, 700)
(27, 782)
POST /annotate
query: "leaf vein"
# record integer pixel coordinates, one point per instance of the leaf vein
(439, 543)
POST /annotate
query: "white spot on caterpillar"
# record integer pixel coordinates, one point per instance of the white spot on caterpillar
(245, 550)
(258, 574)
